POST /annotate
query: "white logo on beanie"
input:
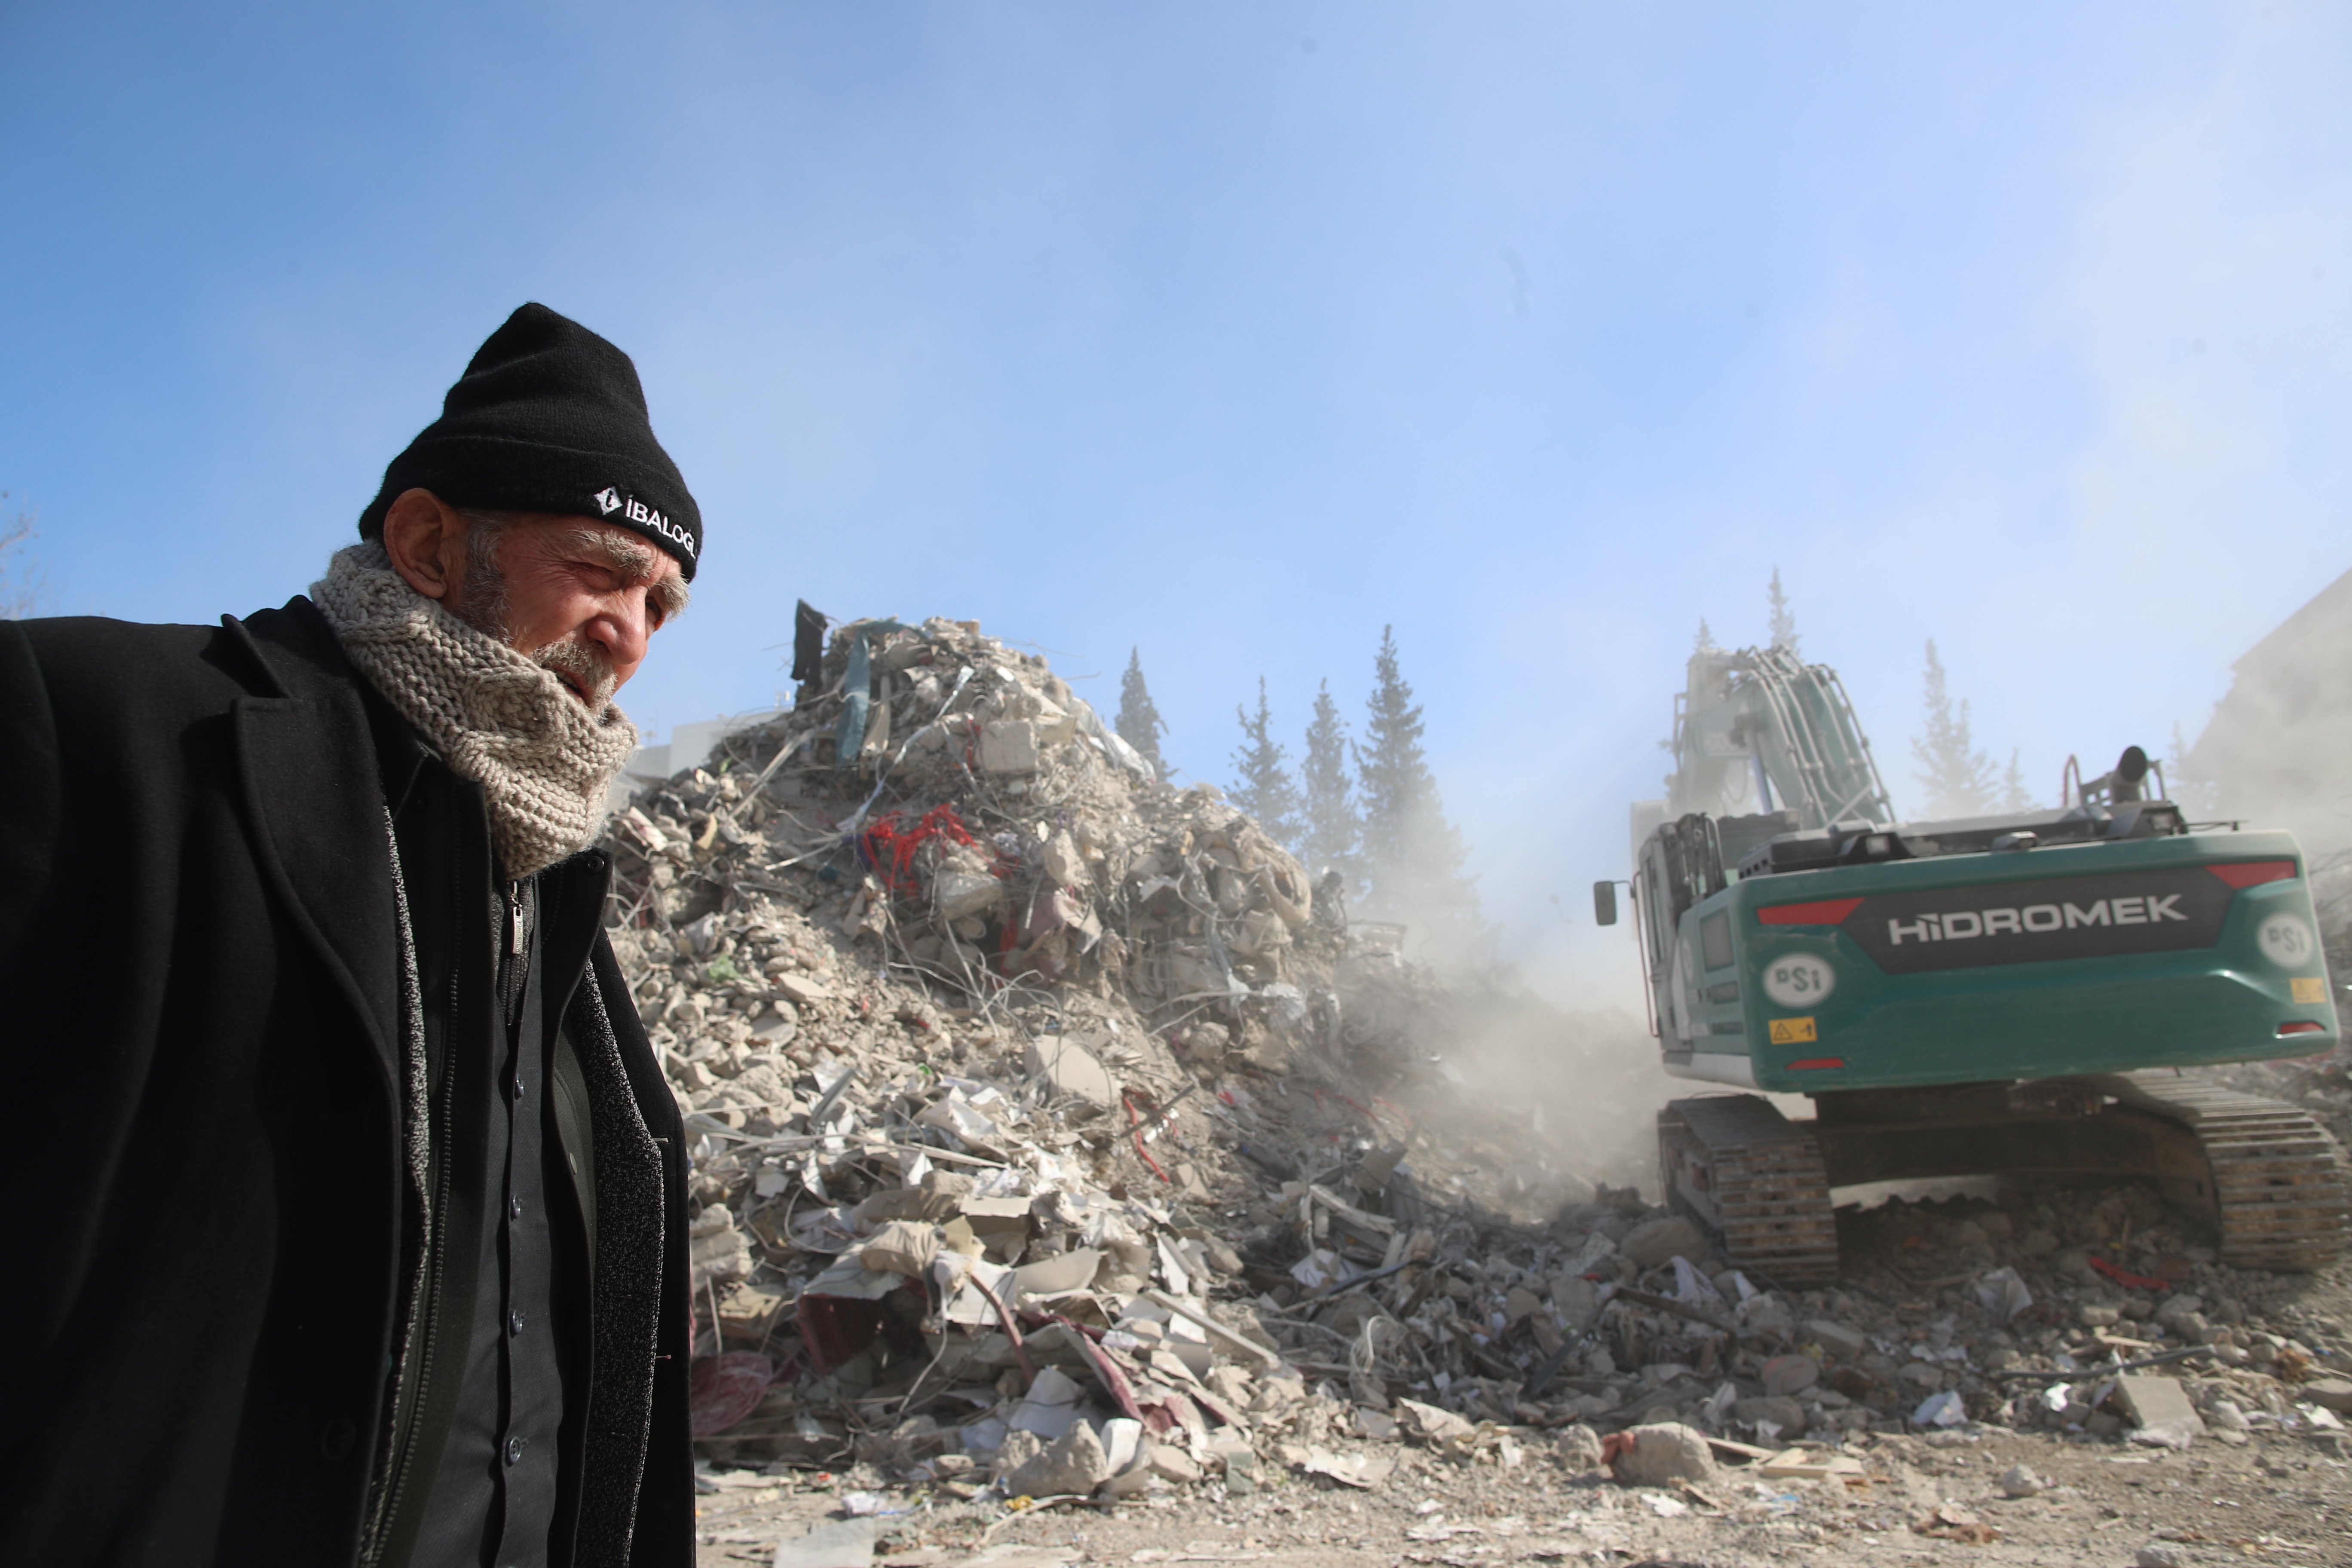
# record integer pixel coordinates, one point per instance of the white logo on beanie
(610, 500)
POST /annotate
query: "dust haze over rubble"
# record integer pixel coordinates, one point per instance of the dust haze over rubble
(1537, 1105)
(1051, 1140)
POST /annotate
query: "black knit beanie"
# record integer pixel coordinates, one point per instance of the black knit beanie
(548, 417)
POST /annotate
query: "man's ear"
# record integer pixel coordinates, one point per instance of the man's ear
(425, 539)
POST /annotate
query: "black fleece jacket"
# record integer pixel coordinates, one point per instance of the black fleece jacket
(207, 1228)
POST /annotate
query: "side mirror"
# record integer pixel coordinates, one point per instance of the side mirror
(1604, 904)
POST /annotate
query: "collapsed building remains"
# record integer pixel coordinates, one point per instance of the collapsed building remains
(1053, 1134)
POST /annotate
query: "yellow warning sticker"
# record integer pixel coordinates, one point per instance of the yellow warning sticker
(1793, 1031)
(2308, 991)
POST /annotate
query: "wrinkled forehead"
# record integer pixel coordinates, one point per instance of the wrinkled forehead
(620, 548)
(626, 554)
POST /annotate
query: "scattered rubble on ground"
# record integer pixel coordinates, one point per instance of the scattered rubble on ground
(1054, 1135)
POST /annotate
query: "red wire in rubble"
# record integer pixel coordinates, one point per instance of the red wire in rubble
(1135, 1131)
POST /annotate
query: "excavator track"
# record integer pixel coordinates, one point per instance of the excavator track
(2279, 1187)
(1736, 1164)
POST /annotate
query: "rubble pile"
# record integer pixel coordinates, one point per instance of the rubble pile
(971, 1017)
(1052, 1135)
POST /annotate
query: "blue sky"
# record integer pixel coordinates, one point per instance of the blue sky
(1236, 333)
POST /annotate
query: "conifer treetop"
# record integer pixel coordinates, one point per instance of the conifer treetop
(1334, 824)
(1261, 783)
(1958, 778)
(1413, 857)
(1139, 722)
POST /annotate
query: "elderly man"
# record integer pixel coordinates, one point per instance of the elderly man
(345, 1199)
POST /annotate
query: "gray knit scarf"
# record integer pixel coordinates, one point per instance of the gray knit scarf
(495, 716)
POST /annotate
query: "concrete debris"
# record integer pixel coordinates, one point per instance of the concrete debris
(1433, 1424)
(1172, 1464)
(1661, 1455)
(1789, 1373)
(845, 1544)
(2159, 1411)
(1049, 1130)
(1579, 1449)
(1362, 1470)
(1073, 1465)
(1942, 1409)
(2327, 1393)
(1659, 1240)
(1807, 1465)
(1837, 1339)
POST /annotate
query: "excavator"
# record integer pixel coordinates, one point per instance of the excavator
(2027, 995)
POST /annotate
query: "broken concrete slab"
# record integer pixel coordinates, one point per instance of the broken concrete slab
(1661, 1454)
(1362, 1471)
(1788, 1374)
(1008, 746)
(1432, 1423)
(1170, 1463)
(1058, 1274)
(803, 990)
(1068, 1067)
(2327, 1393)
(2159, 1411)
(1053, 1405)
(1072, 1464)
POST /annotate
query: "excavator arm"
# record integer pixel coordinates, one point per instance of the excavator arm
(1758, 731)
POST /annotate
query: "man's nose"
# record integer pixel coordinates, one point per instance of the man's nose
(625, 630)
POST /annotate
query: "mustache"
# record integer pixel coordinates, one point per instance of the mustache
(586, 664)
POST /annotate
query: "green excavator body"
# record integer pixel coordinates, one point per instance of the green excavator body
(2022, 995)
(2094, 957)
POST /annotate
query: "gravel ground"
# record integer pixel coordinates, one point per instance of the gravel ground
(2274, 1498)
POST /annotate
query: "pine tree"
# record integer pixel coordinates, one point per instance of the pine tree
(1784, 621)
(1705, 641)
(1956, 776)
(1333, 827)
(1139, 722)
(1261, 783)
(2014, 795)
(1412, 855)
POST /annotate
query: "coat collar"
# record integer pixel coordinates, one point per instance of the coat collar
(320, 758)
(308, 769)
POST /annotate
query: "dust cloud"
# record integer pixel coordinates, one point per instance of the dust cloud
(1518, 1107)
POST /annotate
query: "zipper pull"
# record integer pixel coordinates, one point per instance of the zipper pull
(514, 917)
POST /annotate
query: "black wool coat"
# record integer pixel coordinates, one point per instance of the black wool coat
(202, 1179)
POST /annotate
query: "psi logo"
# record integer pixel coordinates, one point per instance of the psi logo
(2285, 942)
(1798, 981)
